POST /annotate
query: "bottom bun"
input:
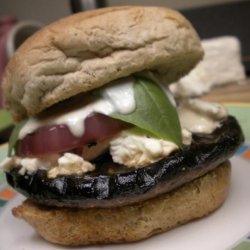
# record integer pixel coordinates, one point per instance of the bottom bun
(69, 226)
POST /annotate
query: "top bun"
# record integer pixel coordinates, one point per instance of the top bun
(87, 50)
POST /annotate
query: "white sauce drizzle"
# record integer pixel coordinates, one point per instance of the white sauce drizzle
(118, 96)
(121, 95)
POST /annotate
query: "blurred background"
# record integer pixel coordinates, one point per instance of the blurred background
(47, 11)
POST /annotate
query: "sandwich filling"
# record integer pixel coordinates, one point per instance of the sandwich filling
(113, 185)
(135, 118)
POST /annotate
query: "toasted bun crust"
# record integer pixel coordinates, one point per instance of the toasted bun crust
(130, 223)
(87, 50)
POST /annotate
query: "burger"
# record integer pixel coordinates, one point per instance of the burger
(101, 149)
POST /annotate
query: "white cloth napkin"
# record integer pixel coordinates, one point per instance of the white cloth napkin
(221, 65)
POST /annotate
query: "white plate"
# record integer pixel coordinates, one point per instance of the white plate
(220, 230)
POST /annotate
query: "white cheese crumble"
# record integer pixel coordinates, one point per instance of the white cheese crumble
(135, 150)
(31, 165)
(71, 164)
(199, 116)
(28, 165)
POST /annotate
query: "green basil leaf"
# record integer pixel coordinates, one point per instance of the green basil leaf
(154, 112)
(14, 137)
